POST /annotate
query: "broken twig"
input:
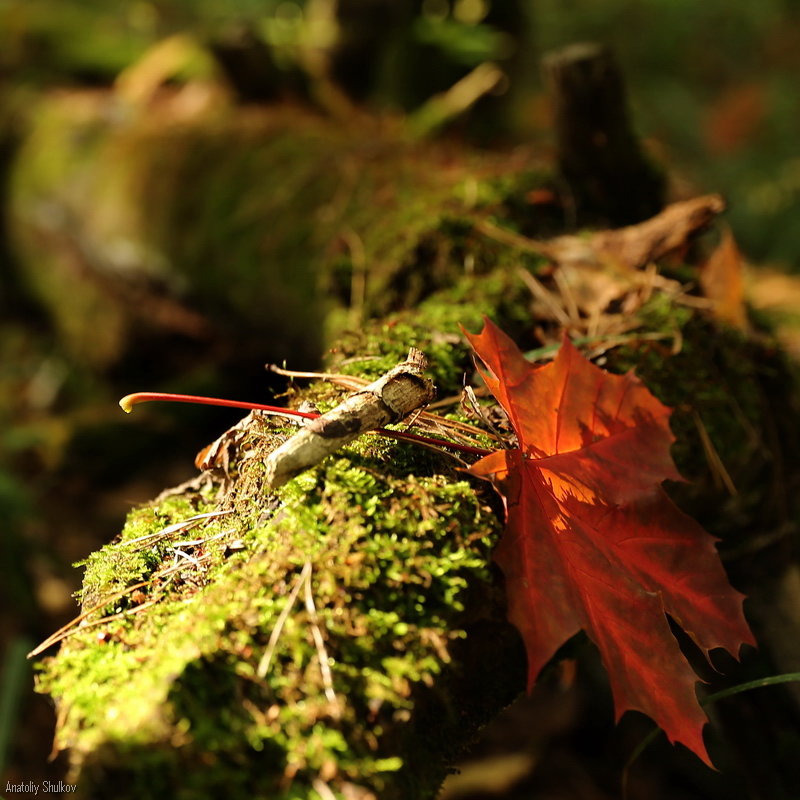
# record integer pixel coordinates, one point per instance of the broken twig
(390, 398)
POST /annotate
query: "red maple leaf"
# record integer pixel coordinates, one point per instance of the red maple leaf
(593, 542)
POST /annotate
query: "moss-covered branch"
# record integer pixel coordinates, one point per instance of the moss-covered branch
(174, 689)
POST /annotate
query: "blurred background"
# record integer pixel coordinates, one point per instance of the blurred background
(132, 222)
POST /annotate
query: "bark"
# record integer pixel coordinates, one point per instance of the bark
(391, 398)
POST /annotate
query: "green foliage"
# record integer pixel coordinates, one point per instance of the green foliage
(464, 43)
(79, 38)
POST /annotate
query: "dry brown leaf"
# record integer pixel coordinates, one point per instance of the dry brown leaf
(217, 455)
(776, 294)
(594, 271)
(722, 282)
(632, 247)
(637, 245)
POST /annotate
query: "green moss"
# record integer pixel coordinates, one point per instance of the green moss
(434, 326)
(176, 688)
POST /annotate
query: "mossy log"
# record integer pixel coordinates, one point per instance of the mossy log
(251, 231)
(344, 635)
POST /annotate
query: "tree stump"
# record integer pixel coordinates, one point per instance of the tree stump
(599, 156)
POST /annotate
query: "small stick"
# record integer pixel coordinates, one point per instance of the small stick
(319, 643)
(72, 626)
(390, 398)
(185, 525)
(263, 665)
(348, 381)
(447, 105)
